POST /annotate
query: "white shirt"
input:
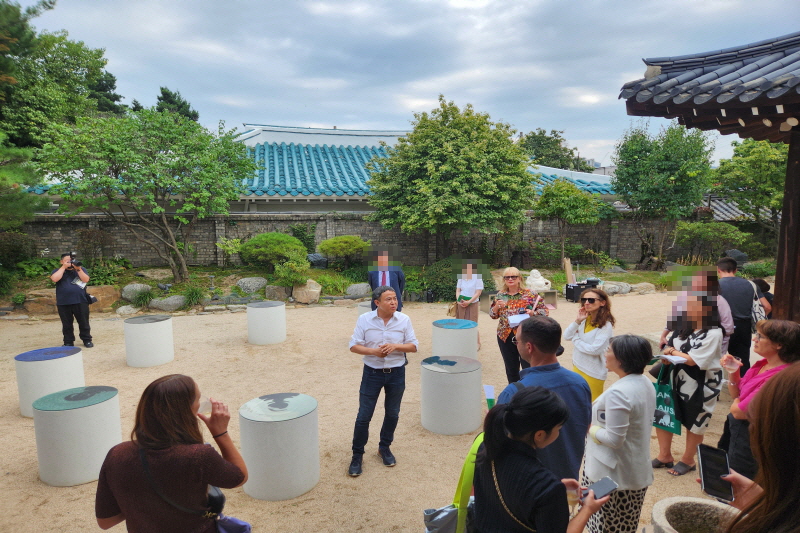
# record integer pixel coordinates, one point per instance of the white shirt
(589, 348)
(624, 414)
(371, 332)
(470, 286)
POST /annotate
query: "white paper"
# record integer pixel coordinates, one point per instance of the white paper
(674, 359)
(514, 320)
(488, 390)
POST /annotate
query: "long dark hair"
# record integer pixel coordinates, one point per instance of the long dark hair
(774, 433)
(164, 415)
(530, 410)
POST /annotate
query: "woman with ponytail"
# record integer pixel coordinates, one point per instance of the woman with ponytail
(514, 492)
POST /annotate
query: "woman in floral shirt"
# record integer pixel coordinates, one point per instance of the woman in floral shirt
(513, 300)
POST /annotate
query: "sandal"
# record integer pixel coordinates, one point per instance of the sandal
(656, 463)
(681, 468)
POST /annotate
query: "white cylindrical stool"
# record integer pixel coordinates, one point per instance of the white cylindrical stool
(364, 307)
(454, 336)
(266, 322)
(280, 445)
(42, 372)
(148, 340)
(75, 428)
(450, 395)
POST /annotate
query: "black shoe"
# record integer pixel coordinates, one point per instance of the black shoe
(386, 455)
(68, 344)
(89, 344)
(355, 465)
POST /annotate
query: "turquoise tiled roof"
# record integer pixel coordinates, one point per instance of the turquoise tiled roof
(592, 187)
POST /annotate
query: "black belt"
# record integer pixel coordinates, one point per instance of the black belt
(384, 370)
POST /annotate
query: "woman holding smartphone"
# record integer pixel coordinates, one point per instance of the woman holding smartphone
(619, 437)
(590, 333)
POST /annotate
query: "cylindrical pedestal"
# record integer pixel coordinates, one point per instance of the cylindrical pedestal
(280, 445)
(75, 428)
(455, 337)
(148, 340)
(450, 395)
(266, 322)
(364, 307)
(42, 372)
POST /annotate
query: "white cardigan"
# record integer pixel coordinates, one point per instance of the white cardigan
(624, 416)
(589, 349)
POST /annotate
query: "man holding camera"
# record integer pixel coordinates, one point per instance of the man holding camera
(71, 300)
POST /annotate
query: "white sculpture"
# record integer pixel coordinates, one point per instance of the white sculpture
(536, 282)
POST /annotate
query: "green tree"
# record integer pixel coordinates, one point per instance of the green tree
(708, 240)
(102, 90)
(17, 37)
(136, 106)
(552, 150)
(753, 179)
(175, 103)
(155, 173)
(17, 205)
(457, 170)
(568, 205)
(662, 178)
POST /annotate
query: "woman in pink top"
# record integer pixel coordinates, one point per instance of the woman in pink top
(778, 342)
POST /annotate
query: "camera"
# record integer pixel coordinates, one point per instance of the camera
(72, 256)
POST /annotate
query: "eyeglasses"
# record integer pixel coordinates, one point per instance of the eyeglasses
(759, 336)
(514, 340)
(588, 300)
(510, 277)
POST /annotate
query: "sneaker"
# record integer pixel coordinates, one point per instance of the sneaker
(68, 344)
(89, 344)
(355, 465)
(386, 455)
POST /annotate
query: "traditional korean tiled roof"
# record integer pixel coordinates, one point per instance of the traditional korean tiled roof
(591, 186)
(752, 90)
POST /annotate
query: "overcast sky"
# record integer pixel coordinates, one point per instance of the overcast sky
(370, 64)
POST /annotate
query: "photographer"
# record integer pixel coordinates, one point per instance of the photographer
(71, 300)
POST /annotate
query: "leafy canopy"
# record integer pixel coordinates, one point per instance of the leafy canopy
(175, 103)
(567, 204)
(16, 175)
(552, 150)
(457, 170)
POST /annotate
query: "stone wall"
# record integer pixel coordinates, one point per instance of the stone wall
(59, 234)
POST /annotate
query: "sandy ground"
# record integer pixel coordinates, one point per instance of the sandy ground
(314, 360)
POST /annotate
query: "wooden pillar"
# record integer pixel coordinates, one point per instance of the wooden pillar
(787, 280)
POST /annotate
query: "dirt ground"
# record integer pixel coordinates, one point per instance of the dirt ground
(314, 360)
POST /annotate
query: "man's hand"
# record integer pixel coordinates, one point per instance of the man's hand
(386, 349)
(66, 262)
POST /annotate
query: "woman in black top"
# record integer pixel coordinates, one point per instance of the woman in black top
(514, 492)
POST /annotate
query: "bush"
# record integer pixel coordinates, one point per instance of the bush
(348, 248)
(548, 253)
(441, 278)
(143, 298)
(305, 233)
(757, 270)
(356, 274)
(18, 299)
(333, 284)
(15, 247)
(293, 271)
(7, 280)
(194, 295)
(92, 243)
(269, 249)
(228, 247)
(708, 239)
(38, 268)
(105, 272)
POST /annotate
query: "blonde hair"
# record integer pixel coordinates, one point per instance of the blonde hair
(510, 271)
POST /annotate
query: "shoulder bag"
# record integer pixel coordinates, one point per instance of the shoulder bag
(216, 502)
(500, 495)
(758, 312)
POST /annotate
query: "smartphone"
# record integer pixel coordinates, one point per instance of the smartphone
(713, 463)
(601, 489)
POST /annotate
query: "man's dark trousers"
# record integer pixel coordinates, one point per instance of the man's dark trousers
(739, 344)
(79, 312)
(372, 381)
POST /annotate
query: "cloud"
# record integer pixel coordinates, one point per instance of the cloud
(584, 97)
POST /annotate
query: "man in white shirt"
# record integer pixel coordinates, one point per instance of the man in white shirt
(383, 337)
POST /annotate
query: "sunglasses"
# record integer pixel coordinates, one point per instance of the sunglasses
(514, 340)
(510, 277)
(588, 300)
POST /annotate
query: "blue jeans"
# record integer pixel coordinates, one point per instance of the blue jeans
(372, 381)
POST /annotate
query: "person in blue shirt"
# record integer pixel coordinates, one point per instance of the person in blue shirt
(538, 339)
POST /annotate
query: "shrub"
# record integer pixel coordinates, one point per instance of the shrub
(228, 248)
(193, 295)
(39, 267)
(105, 272)
(333, 284)
(348, 248)
(7, 280)
(305, 233)
(18, 299)
(92, 242)
(293, 271)
(757, 270)
(143, 298)
(269, 249)
(356, 274)
(15, 247)
(548, 253)
(708, 239)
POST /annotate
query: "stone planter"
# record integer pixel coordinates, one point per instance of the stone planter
(690, 515)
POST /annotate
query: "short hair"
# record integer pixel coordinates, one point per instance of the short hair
(632, 352)
(762, 285)
(727, 265)
(541, 331)
(510, 271)
(164, 415)
(378, 292)
(65, 254)
(783, 332)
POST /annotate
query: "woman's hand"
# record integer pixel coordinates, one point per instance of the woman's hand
(464, 303)
(593, 504)
(220, 416)
(744, 489)
(571, 484)
(582, 314)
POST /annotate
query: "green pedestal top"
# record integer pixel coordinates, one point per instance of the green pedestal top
(278, 407)
(76, 398)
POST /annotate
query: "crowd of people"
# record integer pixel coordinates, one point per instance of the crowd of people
(548, 422)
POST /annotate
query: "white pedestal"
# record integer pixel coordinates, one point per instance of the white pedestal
(280, 445)
(148, 340)
(455, 337)
(266, 322)
(75, 428)
(364, 307)
(450, 395)
(42, 372)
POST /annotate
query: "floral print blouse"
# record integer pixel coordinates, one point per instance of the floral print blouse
(514, 302)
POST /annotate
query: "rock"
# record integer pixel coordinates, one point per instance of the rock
(155, 273)
(169, 304)
(341, 303)
(317, 261)
(106, 296)
(643, 288)
(358, 289)
(130, 291)
(251, 285)
(214, 308)
(308, 293)
(741, 257)
(127, 310)
(616, 287)
(41, 302)
(615, 270)
(277, 293)
(680, 514)
(14, 317)
(536, 282)
(237, 307)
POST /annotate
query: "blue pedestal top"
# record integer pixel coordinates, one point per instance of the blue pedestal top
(47, 354)
(455, 323)
(278, 407)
